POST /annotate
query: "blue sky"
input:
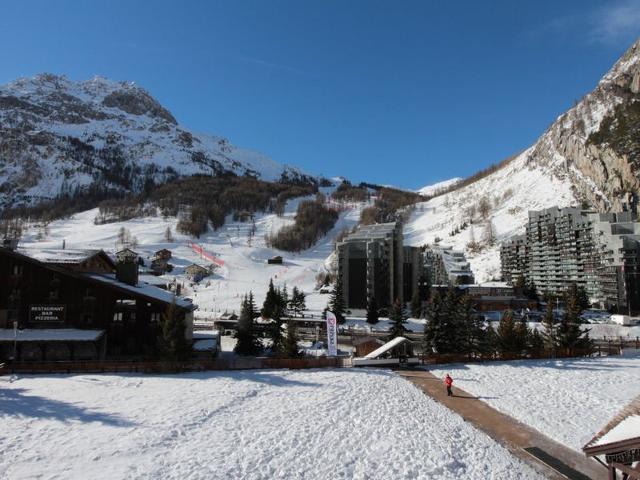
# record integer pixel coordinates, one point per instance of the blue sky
(394, 92)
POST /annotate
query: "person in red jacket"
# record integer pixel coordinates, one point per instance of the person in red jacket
(448, 381)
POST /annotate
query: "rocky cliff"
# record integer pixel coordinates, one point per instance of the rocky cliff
(596, 144)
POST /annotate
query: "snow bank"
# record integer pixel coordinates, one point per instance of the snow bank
(252, 425)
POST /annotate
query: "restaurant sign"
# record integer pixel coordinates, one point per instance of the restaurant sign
(626, 457)
(47, 313)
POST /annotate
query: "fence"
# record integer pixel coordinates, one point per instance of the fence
(175, 367)
(434, 359)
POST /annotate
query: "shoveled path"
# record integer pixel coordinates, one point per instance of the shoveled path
(511, 433)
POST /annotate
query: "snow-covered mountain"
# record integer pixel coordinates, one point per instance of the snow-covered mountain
(589, 156)
(60, 136)
(438, 187)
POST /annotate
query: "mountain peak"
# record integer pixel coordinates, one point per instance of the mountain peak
(63, 136)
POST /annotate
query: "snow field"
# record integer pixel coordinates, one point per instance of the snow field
(569, 400)
(256, 424)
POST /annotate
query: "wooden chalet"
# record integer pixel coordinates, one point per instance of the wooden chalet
(68, 301)
(277, 260)
(195, 273)
(617, 445)
(127, 255)
(163, 254)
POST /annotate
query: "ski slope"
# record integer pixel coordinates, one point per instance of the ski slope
(245, 260)
(323, 424)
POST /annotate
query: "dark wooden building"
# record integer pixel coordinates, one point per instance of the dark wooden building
(79, 291)
(617, 445)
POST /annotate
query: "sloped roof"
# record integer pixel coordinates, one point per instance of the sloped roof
(70, 256)
(386, 347)
(624, 426)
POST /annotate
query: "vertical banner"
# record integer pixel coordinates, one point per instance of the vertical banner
(332, 334)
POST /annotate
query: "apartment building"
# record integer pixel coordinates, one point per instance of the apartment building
(597, 251)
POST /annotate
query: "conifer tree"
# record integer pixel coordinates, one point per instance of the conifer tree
(450, 338)
(173, 343)
(506, 335)
(471, 325)
(284, 300)
(521, 337)
(398, 320)
(270, 306)
(336, 302)
(535, 344)
(433, 326)
(549, 328)
(372, 311)
(291, 341)
(571, 337)
(416, 305)
(248, 340)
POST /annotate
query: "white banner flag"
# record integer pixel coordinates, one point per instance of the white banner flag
(332, 334)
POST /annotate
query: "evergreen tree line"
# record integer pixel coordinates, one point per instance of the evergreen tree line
(313, 219)
(453, 327)
(282, 335)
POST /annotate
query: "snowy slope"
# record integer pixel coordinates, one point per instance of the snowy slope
(57, 135)
(245, 261)
(435, 188)
(569, 400)
(323, 424)
(512, 191)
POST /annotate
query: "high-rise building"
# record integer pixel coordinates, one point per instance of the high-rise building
(374, 263)
(445, 266)
(598, 252)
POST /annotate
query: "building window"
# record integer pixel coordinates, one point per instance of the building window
(117, 317)
(17, 269)
(155, 317)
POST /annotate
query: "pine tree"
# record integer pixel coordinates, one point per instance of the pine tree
(284, 300)
(336, 302)
(506, 335)
(173, 343)
(291, 341)
(521, 337)
(535, 343)
(270, 306)
(433, 326)
(416, 305)
(550, 329)
(248, 341)
(168, 236)
(398, 320)
(472, 337)
(372, 311)
(571, 337)
(450, 338)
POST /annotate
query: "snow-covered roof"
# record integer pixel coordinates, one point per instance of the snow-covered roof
(145, 289)
(624, 426)
(59, 256)
(386, 347)
(50, 334)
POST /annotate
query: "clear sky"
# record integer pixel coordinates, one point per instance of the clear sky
(394, 92)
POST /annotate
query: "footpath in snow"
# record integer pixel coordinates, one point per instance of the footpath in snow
(262, 424)
(568, 400)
